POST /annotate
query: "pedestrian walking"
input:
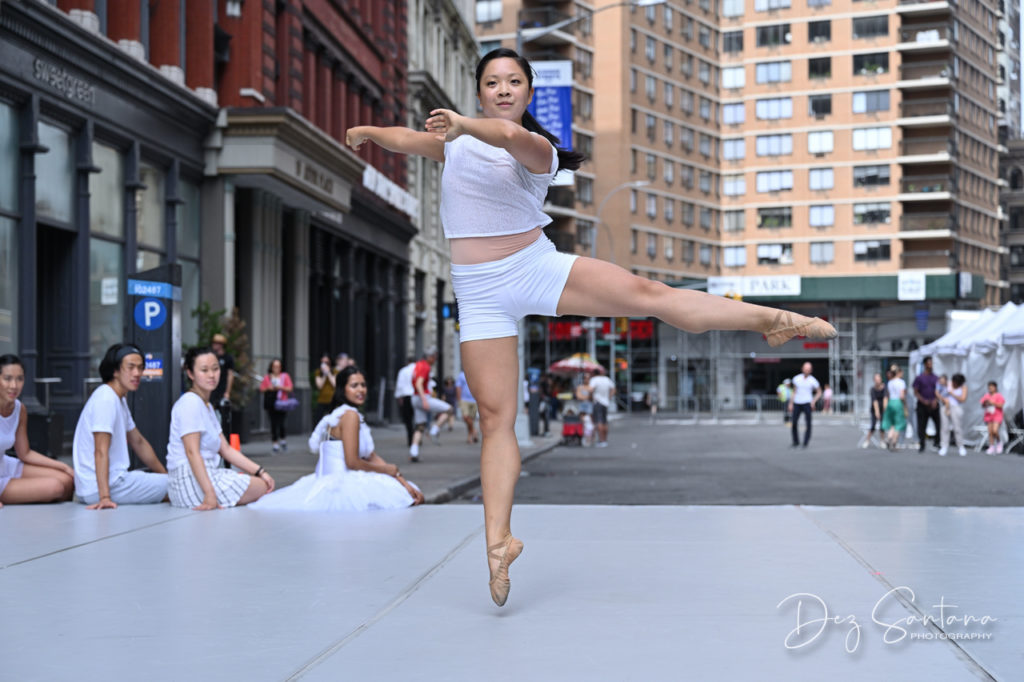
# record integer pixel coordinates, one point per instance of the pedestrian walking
(894, 418)
(448, 394)
(652, 402)
(404, 392)
(826, 400)
(927, 403)
(428, 412)
(953, 414)
(277, 389)
(602, 390)
(784, 392)
(497, 170)
(467, 406)
(806, 391)
(992, 404)
(877, 408)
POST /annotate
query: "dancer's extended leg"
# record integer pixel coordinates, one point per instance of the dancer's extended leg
(601, 289)
(492, 370)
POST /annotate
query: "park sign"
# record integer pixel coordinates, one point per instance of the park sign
(754, 286)
(552, 104)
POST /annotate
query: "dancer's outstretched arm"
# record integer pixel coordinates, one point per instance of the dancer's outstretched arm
(398, 139)
(529, 149)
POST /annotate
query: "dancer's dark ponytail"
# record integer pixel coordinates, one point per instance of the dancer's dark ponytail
(567, 159)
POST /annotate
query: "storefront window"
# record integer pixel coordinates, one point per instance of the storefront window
(106, 192)
(188, 220)
(189, 302)
(150, 206)
(106, 299)
(146, 260)
(8, 159)
(55, 174)
(8, 287)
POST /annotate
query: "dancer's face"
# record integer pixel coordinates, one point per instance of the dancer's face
(12, 381)
(355, 389)
(504, 90)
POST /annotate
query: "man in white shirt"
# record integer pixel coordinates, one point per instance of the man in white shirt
(602, 389)
(103, 434)
(404, 392)
(806, 391)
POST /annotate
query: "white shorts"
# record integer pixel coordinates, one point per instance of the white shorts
(494, 296)
(437, 406)
(10, 468)
(134, 487)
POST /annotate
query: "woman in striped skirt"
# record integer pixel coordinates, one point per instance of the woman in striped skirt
(197, 444)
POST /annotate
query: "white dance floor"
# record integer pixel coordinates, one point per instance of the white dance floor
(600, 593)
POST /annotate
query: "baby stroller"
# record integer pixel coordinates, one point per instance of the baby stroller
(572, 428)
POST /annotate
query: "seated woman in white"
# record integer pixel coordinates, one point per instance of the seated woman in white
(350, 476)
(29, 477)
(195, 476)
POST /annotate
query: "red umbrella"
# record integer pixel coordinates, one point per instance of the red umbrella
(575, 364)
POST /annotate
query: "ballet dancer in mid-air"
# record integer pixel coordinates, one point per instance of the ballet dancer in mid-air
(497, 169)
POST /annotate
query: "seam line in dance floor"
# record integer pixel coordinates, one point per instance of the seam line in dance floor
(91, 542)
(910, 606)
(391, 606)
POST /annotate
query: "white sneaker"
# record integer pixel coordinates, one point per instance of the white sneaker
(999, 448)
(864, 444)
(942, 452)
(276, 447)
(991, 450)
(414, 452)
(435, 434)
(602, 444)
(963, 451)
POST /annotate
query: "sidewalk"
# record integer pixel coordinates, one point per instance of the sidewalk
(444, 471)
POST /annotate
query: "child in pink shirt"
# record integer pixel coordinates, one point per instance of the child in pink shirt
(992, 403)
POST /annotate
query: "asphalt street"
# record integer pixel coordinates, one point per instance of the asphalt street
(674, 463)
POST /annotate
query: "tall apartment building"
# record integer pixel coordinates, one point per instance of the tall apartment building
(836, 156)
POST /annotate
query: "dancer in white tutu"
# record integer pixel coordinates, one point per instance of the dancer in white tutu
(350, 476)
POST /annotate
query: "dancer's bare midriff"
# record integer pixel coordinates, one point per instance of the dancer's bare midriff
(474, 250)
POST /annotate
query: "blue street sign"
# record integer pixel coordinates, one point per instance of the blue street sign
(137, 287)
(150, 314)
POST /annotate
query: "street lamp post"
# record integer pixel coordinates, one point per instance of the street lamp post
(540, 31)
(592, 330)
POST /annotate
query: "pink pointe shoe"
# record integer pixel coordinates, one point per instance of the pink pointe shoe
(788, 324)
(500, 583)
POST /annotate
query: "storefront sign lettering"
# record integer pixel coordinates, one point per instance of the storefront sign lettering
(314, 176)
(68, 85)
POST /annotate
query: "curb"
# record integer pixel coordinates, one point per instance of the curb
(454, 490)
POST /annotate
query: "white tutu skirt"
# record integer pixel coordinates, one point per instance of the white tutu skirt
(340, 491)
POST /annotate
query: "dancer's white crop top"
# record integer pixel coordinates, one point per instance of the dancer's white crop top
(485, 192)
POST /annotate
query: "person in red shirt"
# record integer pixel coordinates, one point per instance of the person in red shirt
(425, 406)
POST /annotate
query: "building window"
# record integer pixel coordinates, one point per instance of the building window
(652, 245)
(704, 72)
(819, 105)
(705, 108)
(766, 5)
(821, 179)
(670, 251)
(584, 233)
(686, 176)
(871, 250)
(652, 127)
(732, 8)
(584, 105)
(704, 37)
(869, 214)
(670, 210)
(774, 217)
(584, 190)
(872, 138)
(774, 35)
(668, 171)
(870, 176)
(819, 3)
(669, 129)
(819, 142)
(634, 237)
(651, 88)
(686, 139)
(868, 64)
(870, 27)
(819, 31)
(705, 182)
(774, 254)
(734, 185)
(687, 214)
(772, 109)
(632, 201)
(733, 114)
(819, 67)
(669, 94)
(733, 221)
(822, 216)
(55, 173)
(151, 207)
(866, 102)
(705, 254)
(686, 101)
(774, 181)
(649, 49)
(734, 149)
(732, 41)
(822, 252)
(774, 72)
(774, 145)
(668, 18)
(652, 206)
(734, 77)
(652, 166)
(488, 11)
(705, 145)
(734, 256)
(667, 52)
(706, 216)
